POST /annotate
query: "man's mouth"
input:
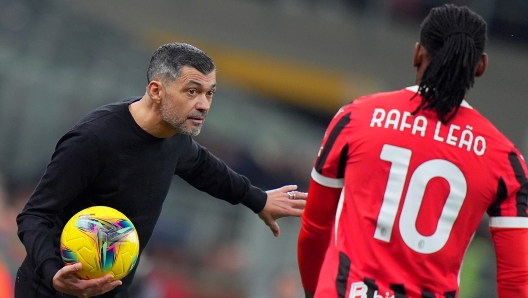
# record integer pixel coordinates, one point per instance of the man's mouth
(197, 119)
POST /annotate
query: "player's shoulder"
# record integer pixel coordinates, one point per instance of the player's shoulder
(481, 123)
(386, 97)
(380, 99)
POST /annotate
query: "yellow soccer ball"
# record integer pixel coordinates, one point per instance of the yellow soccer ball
(103, 240)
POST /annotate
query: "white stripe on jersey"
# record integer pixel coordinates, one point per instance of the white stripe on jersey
(508, 222)
(338, 213)
(464, 103)
(325, 181)
(413, 88)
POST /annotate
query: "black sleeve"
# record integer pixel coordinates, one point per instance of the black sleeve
(73, 166)
(206, 172)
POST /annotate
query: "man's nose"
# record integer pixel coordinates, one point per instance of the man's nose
(203, 103)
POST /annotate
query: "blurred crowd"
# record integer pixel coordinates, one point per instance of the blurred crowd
(506, 19)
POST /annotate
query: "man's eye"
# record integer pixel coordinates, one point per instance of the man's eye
(192, 91)
(211, 92)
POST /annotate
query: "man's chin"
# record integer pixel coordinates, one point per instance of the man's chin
(191, 132)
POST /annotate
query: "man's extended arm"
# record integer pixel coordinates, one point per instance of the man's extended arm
(206, 172)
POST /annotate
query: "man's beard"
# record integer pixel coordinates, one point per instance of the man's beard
(178, 121)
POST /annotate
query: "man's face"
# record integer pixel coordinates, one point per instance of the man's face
(187, 100)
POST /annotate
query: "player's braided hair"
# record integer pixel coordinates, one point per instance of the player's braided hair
(455, 38)
(168, 60)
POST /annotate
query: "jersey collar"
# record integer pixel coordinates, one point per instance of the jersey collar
(464, 103)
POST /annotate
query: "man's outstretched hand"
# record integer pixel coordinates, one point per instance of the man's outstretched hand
(282, 202)
(66, 281)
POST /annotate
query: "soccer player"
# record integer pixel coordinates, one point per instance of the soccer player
(403, 179)
(124, 156)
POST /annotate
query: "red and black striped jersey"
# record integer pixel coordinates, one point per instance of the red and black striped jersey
(412, 192)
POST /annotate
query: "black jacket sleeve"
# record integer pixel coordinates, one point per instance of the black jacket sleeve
(206, 172)
(73, 166)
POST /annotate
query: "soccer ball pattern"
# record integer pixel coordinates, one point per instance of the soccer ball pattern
(103, 240)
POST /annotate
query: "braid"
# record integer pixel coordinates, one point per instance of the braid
(455, 38)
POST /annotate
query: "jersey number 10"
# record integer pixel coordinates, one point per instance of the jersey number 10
(400, 159)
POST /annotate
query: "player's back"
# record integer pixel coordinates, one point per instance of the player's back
(415, 191)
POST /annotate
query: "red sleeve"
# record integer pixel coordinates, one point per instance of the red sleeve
(511, 249)
(316, 230)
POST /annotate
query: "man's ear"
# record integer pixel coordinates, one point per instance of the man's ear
(481, 66)
(420, 61)
(417, 55)
(155, 91)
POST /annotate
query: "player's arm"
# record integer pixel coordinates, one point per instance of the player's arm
(316, 230)
(511, 249)
(70, 170)
(509, 228)
(323, 198)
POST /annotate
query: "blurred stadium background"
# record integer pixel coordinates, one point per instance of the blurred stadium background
(285, 67)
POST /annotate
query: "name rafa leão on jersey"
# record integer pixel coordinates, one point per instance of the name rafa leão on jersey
(450, 134)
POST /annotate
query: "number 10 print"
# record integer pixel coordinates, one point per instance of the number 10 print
(400, 159)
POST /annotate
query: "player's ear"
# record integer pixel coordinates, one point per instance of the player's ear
(481, 66)
(155, 90)
(420, 61)
(417, 55)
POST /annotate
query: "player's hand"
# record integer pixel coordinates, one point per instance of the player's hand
(66, 281)
(284, 201)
